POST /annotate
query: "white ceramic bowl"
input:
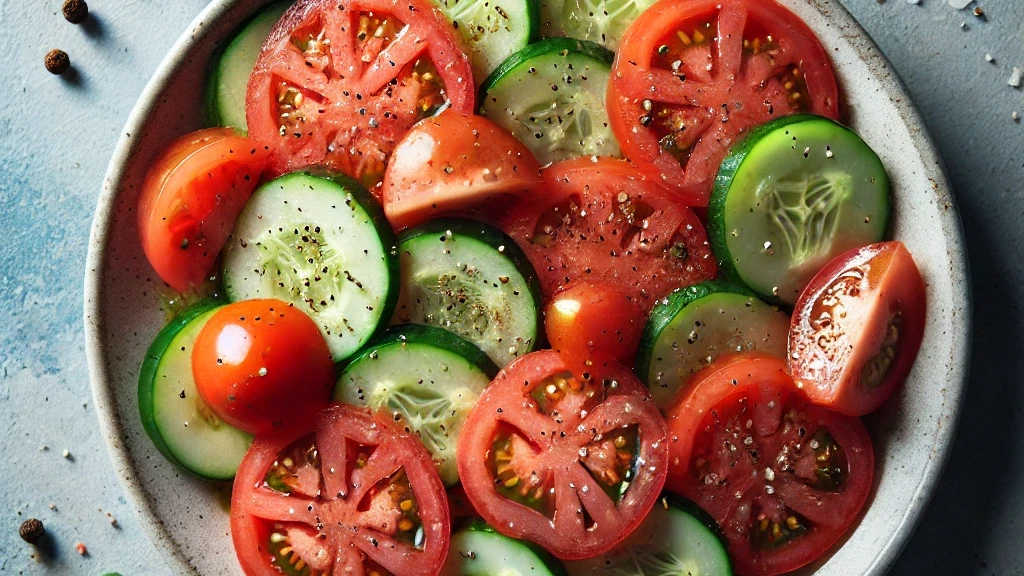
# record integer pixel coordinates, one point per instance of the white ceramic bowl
(187, 518)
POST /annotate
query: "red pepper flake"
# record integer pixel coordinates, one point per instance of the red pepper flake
(81, 549)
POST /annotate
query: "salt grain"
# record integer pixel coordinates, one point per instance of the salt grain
(1015, 77)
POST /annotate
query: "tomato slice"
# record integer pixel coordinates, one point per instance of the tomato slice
(340, 82)
(782, 477)
(571, 465)
(857, 328)
(190, 199)
(602, 220)
(693, 76)
(351, 497)
(452, 162)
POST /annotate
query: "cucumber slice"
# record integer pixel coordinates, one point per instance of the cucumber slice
(321, 242)
(603, 22)
(477, 550)
(692, 326)
(181, 426)
(472, 280)
(551, 95)
(229, 75)
(677, 537)
(428, 378)
(492, 31)
(795, 193)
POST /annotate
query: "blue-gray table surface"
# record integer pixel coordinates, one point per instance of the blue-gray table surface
(56, 138)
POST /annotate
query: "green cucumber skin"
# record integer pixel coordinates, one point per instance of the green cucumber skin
(717, 230)
(150, 364)
(665, 312)
(553, 565)
(546, 46)
(436, 337)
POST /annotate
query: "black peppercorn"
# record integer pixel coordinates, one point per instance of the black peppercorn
(31, 530)
(76, 11)
(57, 61)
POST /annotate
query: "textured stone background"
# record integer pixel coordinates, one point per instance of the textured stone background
(57, 135)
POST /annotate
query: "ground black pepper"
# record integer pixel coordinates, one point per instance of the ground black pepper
(31, 530)
(75, 11)
(57, 61)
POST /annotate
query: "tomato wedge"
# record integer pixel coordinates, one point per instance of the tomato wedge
(857, 328)
(351, 497)
(190, 199)
(693, 76)
(602, 220)
(573, 466)
(340, 82)
(782, 477)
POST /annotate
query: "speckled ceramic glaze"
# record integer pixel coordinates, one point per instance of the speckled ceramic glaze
(187, 518)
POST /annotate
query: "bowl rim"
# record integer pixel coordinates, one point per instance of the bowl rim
(104, 398)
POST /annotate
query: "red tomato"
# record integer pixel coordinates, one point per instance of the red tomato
(857, 328)
(452, 162)
(340, 82)
(603, 221)
(593, 323)
(190, 199)
(352, 497)
(261, 364)
(782, 477)
(693, 76)
(573, 466)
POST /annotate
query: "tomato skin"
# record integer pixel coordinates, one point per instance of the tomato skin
(593, 323)
(454, 161)
(725, 91)
(192, 194)
(744, 449)
(262, 364)
(848, 317)
(564, 440)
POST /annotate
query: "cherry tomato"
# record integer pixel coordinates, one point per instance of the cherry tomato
(340, 82)
(190, 199)
(693, 76)
(452, 162)
(352, 496)
(261, 364)
(857, 328)
(593, 323)
(782, 477)
(573, 466)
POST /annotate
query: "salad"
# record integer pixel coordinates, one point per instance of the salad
(500, 287)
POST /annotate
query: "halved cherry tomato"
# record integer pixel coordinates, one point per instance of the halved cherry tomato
(693, 76)
(260, 364)
(340, 82)
(591, 323)
(573, 466)
(451, 162)
(190, 199)
(857, 328)
(604, 221)
(783, 478)
(351, 496)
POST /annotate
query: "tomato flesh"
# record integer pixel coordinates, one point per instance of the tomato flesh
(603, 221)
(190, 199)
(693, 76)
(261, 364)
(352, 496)
(571, 465)
(340, 83)
(857, 328)
(782, 477)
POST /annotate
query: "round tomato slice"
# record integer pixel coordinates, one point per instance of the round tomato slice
(782, 477)
(451, 162)
(857, 327)
(190, 199)
(351, 497)
(571, 465)
(602, 220)
(340, 82)
(693, 76)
